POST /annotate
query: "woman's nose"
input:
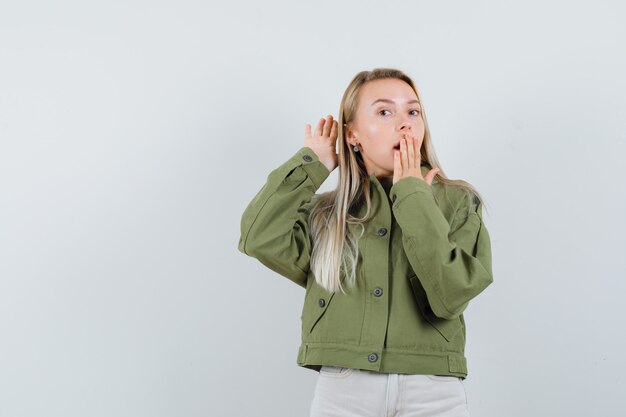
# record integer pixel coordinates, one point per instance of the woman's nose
(405, 125)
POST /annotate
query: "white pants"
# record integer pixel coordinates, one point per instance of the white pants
(347, 392)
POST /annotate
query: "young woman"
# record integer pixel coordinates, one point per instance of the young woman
(389, 259)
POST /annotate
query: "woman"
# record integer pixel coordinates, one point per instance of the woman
(389, 259)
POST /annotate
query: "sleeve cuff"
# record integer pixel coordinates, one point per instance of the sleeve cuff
(314, 168)
(407, 186)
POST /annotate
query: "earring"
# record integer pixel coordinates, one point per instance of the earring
(356, 148)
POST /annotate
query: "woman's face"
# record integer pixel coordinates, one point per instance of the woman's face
(387, 109)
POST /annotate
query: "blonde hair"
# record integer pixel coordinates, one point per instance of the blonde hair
(335, 246)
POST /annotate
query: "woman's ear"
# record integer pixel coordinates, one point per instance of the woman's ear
(349, 135)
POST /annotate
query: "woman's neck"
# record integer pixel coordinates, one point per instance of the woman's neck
(386, 182)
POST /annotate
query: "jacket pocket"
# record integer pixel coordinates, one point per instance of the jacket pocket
(316, 303)
(447, 328)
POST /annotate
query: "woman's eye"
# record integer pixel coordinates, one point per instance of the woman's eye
(416, 112)
(381, 112)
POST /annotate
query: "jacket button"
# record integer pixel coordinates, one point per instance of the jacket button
(372, 357)
(382, 231)
(307, 158)
(378, 291)
(393, 198)
(321, 302)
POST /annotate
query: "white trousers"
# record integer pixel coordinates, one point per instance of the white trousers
(348, 392)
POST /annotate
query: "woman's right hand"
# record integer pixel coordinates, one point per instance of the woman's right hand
(324, 141)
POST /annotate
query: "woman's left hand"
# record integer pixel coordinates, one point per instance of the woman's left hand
(406, 161)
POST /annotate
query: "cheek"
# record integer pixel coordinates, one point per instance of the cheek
(373, 131)
(378, 131)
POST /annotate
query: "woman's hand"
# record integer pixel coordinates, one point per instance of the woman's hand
(324, 141)
(406, 161)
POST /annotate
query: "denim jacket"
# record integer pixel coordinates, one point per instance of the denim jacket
(423, 256)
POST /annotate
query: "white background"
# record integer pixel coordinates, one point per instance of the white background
(134, 133)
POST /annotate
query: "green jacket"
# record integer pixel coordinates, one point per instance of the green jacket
(424, 255)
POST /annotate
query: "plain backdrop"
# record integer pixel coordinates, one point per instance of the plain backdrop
(134, 133)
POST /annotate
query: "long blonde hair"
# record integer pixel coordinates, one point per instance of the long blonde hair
(335, 245)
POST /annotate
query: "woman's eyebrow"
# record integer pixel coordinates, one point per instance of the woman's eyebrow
(386, 100)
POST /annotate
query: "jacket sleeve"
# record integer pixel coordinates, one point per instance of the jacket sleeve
(452, 261)
(274, 225)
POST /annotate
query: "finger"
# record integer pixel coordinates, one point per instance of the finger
(318, 129)
(411, 152)
(333, 131)
(418, 152)
(403, 155)
(328, 122)
(307, 131)
(431, 175)
(397, 166)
